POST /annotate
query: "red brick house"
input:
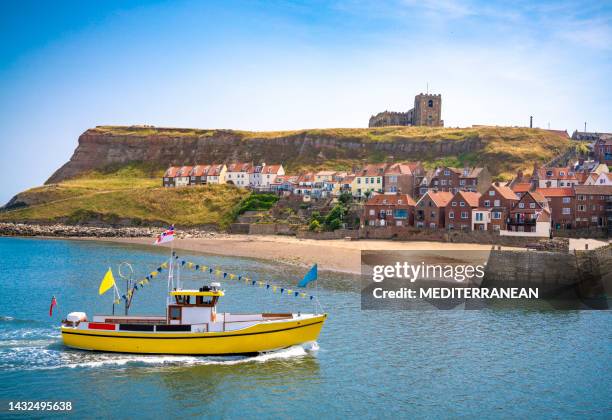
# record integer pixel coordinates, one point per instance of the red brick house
(593, 205)
(460, 179)
(520, 188)
(553, 177)
(458, 213)
(531, 214)
(198, 174)
(494, 208)
(561, 204)
(402, 177)
(430, 209)
(389, 210)
(603, 150)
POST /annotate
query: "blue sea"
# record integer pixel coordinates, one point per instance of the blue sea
(493, 363)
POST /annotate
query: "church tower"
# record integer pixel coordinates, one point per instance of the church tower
(428, 110)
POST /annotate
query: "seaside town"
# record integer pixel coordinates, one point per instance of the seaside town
(400, 195)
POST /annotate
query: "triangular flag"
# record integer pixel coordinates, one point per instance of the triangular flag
(107, 282)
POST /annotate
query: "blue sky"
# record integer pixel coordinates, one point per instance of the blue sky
(255, 65)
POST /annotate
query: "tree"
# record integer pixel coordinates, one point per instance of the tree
(582, 149)
(314, 226)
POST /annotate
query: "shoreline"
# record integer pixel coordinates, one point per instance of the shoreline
(334, 255)
(337, 255)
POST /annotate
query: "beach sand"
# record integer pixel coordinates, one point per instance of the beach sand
(332, 255)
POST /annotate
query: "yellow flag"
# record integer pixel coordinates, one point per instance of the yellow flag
(107, 282)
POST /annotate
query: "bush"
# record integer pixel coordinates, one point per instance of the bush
(314, 226)
(334, 224)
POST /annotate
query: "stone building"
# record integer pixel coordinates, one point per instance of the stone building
(427, 111)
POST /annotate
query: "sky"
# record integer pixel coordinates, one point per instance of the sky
(66, 66)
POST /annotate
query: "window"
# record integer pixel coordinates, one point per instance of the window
(497, 203)
(443, 182)
(175, 312)
(430, 103)
(487, 203)
(378, 180)
(359, 180)
(532, 205)
(433, 214)
(372, 212)
(398, 223)
(454, 204)
(521, 205)
(479, 217)
(451, 214)
(464, 214)
(462, 182)
(166, 179)
(446, 172)
(461, 204)
(496, 215)
(366, 180)
(581, 207)
(371, 180)
(372, 222)
(389, 212)
(492, 193)
(566, 200)
(451, 226)
(566, 210)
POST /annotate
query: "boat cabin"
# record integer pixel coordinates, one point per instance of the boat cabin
(193, 307)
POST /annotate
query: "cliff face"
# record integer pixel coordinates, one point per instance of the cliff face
(100, 147)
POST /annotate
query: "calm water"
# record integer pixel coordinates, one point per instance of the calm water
(491, 363)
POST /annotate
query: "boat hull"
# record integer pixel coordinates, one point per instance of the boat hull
(255, 339)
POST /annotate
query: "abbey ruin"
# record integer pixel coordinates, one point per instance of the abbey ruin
(427, 111)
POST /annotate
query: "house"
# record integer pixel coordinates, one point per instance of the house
(268, 175)
(402, 177)
(239, 174)
(604, 178)
(183, 177)
(430, 209)
(520, 188)
(451, 179)
(384, 210)
(531, 216)
(284, 184)
(554, 177)
(494, 208)
(255, 175)
(324, 176)
(216, 174)
(602, 149)
(561, 205)
(198, 174)
(305, 183)
(593, 205)
(369, 180)
(169, 178)
(458, 212)
(588, 136)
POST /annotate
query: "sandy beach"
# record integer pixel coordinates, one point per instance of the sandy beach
(331, 255)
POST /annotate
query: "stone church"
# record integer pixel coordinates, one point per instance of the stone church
(427, 111)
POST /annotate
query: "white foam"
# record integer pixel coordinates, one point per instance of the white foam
(40, 358)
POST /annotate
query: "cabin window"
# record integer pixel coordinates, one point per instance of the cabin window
(182, 300)
(175, 313)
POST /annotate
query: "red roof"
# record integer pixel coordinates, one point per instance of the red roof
(556, 192)
(200, 170)
(373, 169)
(215, 170)
(402, 168)
(440, 198)
(391, 200)
(593, 189)
(521, 187)
(271, 169)
(555, 173)
(185, 171)
(239, 167)
(505, 191)
(471, 198)
(171, 171)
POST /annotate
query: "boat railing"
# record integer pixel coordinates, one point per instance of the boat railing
(146, 320)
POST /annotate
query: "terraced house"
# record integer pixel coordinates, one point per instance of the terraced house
(458, 211)
(430, 209)
(494, 207)
(457, 179)
(385, 210)
(593, 206)
(369, 180)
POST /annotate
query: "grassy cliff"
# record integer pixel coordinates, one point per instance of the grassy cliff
(105, 180)
(126, 196)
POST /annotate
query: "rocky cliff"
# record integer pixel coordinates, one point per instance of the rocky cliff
(106, 146)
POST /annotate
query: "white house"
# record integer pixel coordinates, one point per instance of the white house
(268, 175)
(183, 176)
(216, 174)
(239, 174)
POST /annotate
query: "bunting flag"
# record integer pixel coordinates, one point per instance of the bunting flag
(310, 276)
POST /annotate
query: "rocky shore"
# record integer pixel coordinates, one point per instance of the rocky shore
(72, 231)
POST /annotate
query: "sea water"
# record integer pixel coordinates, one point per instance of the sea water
(388, 364)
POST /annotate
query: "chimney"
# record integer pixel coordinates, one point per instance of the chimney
(497, 183)
(531, 121)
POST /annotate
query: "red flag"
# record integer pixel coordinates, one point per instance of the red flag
(53, 303)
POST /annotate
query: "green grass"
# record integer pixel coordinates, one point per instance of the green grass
(127, 195)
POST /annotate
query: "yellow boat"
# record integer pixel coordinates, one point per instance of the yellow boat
(192, 326)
